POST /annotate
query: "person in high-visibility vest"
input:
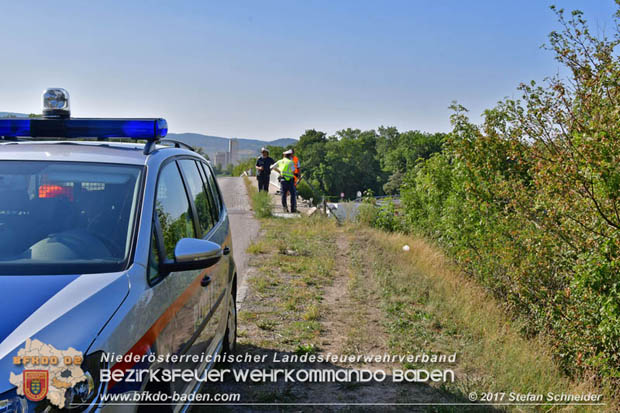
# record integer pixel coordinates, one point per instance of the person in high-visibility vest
(286, 169)
(295, 160)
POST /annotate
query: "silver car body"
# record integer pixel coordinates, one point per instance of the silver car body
(121, 313)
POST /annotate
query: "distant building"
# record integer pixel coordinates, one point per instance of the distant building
(221, 159)
(233, 150)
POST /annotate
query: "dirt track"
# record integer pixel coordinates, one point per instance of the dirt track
(299, 301)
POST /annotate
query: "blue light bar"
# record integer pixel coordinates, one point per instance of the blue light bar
(14, 127)
(147, 129)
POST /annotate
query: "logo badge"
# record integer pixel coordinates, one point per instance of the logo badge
(36, 384)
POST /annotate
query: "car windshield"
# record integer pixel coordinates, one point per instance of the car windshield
(66, 217)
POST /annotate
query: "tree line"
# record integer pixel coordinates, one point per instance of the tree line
(353, 160)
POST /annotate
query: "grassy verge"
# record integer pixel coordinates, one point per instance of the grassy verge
(261, 201)
(319, 287)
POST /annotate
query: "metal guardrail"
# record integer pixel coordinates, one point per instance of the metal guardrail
(392, 197)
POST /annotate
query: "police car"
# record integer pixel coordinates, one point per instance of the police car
(111, 254)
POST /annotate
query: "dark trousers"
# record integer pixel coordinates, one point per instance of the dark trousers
(289, 186)
(263, 183)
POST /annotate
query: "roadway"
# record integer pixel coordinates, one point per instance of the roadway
(244, 226)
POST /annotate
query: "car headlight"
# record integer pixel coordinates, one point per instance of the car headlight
(84, 396)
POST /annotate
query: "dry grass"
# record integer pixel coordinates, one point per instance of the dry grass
(388, 301)
(430, 306)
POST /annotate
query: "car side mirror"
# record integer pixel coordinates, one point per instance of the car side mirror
(194, 254)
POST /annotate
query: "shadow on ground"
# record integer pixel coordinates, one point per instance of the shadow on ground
(283, 396)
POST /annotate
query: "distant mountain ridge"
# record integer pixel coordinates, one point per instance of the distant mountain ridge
(209, 144)
(12, 115)
(212, 144)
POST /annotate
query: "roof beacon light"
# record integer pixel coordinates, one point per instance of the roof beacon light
(57, 123)
(56, 103)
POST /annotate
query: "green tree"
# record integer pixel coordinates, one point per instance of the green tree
(400, 152)
(311, 150)
(351, 164)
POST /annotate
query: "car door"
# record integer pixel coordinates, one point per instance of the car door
(207, 217)
(220, 234)
(185, 293)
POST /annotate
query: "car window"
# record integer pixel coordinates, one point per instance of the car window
(212, 188)
(204, 209)
(173, 209)
(153, 268)
(66, 217)
(212, 202)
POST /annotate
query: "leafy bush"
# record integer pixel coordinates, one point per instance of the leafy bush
(387, 218)
(367, 213)
(528, 203)
(305, 191)
(246, 165)
(381, 215)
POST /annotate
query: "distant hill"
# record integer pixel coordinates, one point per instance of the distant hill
(209, 144)
(212, 144)
(12, 115)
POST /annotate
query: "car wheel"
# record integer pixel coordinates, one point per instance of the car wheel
(230, 337)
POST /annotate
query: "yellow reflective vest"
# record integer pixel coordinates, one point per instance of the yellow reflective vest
(287, 168)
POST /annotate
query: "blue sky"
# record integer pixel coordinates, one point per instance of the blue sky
(271, 69)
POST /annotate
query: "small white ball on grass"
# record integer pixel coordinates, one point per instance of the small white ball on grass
(405, 248)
